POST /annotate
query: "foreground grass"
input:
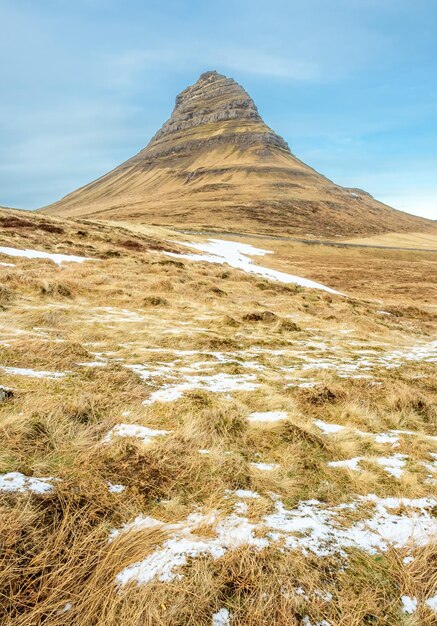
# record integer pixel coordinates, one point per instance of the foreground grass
(135, 323)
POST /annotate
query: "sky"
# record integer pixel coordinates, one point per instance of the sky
(350, 84)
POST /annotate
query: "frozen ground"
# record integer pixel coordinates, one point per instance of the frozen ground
(311, 527)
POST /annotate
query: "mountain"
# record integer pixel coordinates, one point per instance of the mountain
(215, 164)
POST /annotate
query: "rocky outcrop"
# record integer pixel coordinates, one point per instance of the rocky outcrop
(214, 100)
(5, 394)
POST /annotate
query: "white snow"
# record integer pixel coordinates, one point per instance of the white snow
(67, 607)
(246, 493)
(326, 596)
(38, 254)
(7, 264)
(431, 467)
(409, 605)
(431, 603)
(133, 430)
(265, 467)
(94, 364)
(114, 488)
(231, 533)
(352, 464)
(217, 383)
(21, 371)
(241, 508)
(237, 255)
(327, 428)
(221, 618)
(385, 438)
(322, 533)
(393, 465)
(267, 416)
(183, 373)
(18, 482)
(311, 527)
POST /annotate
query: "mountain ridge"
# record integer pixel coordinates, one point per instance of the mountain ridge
(216, 163)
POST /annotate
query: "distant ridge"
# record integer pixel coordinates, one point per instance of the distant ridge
(216, 164)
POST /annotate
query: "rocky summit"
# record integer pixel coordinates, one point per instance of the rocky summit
(214, 103)
(216, 165)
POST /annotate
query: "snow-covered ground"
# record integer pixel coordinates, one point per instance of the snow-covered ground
(39, 254)
(268, 416)
(238, 255)
(22, 371)
(217, 383)
(393, 465)
(134, 430)
(303, 357)
(16, 482)
(311, 527)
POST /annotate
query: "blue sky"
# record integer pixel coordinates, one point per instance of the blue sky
(350, 84)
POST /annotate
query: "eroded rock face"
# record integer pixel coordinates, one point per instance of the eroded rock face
(213, 99)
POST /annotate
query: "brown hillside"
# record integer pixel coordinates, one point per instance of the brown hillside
(215, 164)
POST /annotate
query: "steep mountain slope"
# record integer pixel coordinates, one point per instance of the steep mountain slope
(216, 164)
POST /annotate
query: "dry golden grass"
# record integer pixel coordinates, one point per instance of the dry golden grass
(170, 320)
(425, 240)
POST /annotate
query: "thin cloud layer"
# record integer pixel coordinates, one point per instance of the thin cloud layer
(348, 86)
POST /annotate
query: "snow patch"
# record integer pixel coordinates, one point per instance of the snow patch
(352, 464)
(237, 255)
(265, 467)
(22, 371)
(328, 429)
(409, 605)
(393, 465)
(311, 527)
(267, 416)
(114, 488)
(19, 483)
(307, 622)
(38, 254)
(221, 618)
(133, 430)
(431, 603)
(231, 533)
(216, 383)
(245, 493)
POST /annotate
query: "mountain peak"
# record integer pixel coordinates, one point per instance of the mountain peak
(215, 108)
(216, 164)
(211, 75)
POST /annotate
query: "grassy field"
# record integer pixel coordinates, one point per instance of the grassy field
(424, 240)
(183, 443)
